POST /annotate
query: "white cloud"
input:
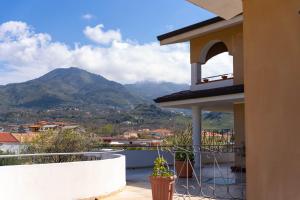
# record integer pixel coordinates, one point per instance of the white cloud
(25, 55)
(98, 35)
(88, 16)
(219, 64)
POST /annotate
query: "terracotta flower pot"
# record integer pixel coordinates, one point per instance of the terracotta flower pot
(162, 187)
(224, 77)
(184, 169)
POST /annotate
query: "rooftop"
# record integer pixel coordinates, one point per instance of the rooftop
(201, 28)
(190, 28)
(7, 138)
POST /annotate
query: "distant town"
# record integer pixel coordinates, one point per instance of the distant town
(13, 138)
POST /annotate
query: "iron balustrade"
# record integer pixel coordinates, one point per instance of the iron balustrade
(214, 180)
(216, 78)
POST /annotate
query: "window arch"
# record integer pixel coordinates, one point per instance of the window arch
(212, 49)
(215, 62)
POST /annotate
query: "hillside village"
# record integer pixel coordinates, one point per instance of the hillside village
(14, 138)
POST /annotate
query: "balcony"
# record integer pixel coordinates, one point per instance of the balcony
(101, 175)
(211, 82)
(215, 180)
(61, 176)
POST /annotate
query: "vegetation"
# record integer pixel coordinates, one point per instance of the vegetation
(62, 141)
(183, 142)
(217, 120)
(66, 141)
(161, 168)
(149, 90)
(8, 161)
(75, 95)
(108, 130)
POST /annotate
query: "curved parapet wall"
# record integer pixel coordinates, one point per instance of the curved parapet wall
(63, 181)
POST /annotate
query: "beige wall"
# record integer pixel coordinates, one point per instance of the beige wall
(272, 98)
(233, 38)
(239, 132)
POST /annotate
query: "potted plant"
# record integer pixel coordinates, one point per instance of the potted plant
(162, 180)
(224, 77)
(184, 161)
(205, 80)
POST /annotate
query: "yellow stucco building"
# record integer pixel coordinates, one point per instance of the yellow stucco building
(264, 39)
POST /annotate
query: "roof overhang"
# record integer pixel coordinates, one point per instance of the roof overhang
(196, 30)
(216, 103)
(223, 8)
(215, 99)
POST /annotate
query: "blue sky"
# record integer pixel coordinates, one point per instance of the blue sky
(112, 38)
(140, 20)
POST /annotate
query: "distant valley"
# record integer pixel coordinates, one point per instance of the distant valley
(73, 94)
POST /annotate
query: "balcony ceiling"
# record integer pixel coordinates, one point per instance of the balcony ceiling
(226, 9)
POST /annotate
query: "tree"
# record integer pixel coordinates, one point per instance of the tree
(108, 130)
(66, 141)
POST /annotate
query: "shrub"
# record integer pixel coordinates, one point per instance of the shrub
(161, 168)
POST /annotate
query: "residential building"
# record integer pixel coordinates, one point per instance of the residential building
(8, 143)
(162, 132)
(130, 134)
(222, 92)
(263, 38)
(34, 128)
(49, 127)
(27, 137)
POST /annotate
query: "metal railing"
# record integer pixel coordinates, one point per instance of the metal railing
(215, 180)
(216, 78)
(43, 158)
(218, 139)
(211, 139)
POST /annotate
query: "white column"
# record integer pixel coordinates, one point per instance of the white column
(195, 73)
(196, 125)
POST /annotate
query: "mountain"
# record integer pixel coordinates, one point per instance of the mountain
(67, 87)
(213, 120)
(75, 95)
(149, 90)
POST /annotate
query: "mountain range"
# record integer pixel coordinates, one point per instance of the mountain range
(77, 87)
(148, 90)
(75, 95)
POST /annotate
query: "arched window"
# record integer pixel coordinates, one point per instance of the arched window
(216, 63)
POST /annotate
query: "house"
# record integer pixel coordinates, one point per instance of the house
(130, 134)
(34, 128)
(27, 137)
(162, 132)
(49, 127)
(220, 92)
(263, 38)
(73, 128)
(8, 143)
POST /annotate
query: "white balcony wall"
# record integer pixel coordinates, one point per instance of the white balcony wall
(63, 181)
(211, 85)
(145, 158)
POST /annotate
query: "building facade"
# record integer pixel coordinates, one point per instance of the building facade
(263, 37)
